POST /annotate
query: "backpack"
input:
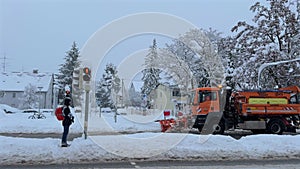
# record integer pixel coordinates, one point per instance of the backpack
(59, 113)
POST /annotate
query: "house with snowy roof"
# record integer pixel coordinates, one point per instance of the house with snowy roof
(13, 84)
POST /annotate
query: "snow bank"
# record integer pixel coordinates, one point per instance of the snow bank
(47, 151)
(121, 147)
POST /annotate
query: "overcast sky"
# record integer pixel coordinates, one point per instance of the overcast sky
(37, 33)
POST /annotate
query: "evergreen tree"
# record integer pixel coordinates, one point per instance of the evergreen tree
(108, 87)
(103, 98)
(65, 76)
(270, 39)
(135, 97)
(151, 74)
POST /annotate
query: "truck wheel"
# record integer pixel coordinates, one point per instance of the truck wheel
(276, 126)
(219, 128)
(200, 129)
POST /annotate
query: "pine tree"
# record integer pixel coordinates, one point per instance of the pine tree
(151, 74)
(135, 97)
(103, 98)
(269, 39)
(65, 76)
(108, 87)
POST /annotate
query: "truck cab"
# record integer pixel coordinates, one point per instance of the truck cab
(206, 109)
(266, 111)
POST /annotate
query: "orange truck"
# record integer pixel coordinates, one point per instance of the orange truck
(215, 110)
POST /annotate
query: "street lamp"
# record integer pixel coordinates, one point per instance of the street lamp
(263, 66)
(40, 89)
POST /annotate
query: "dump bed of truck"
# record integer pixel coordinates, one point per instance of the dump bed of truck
(267, 102)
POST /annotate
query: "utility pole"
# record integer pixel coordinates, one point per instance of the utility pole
(86, 77)
(4, 62)
(122, 103)
(86, 110)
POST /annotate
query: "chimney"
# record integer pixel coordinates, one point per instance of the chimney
(35, 71)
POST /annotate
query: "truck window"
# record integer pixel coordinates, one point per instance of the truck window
(207, 96)
(295, 99)
(191, 97)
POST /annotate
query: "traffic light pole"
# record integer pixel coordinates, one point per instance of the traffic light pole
(86, 110)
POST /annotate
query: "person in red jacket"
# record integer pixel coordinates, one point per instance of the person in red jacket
(68, 120)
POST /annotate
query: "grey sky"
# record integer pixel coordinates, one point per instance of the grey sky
(37, 33)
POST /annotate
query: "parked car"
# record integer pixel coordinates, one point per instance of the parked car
(106, 110)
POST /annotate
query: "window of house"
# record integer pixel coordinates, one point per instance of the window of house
(176, 92)
(14, 95)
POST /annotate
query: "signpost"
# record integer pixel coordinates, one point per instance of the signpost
(86, 110)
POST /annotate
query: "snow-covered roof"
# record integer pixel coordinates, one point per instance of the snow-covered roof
(17, 81)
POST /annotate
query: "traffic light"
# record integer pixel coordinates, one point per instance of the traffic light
(86, 74)
(77, 79)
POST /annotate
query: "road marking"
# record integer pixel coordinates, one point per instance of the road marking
(134, 164)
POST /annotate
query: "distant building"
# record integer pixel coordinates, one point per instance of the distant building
(12, 86)
(169, 97)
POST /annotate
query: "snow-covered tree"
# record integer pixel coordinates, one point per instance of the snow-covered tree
(103, 97)
(175, 68)
(151, 74)
(65, 75)
(270, 39)
(210, 63)
(30, 97)
(108, 87)
(135, 97)
(230, 60)
(182, 63)
(191, 60)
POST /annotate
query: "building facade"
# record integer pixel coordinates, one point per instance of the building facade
(12, 87)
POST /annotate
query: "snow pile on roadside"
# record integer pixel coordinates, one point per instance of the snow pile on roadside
(220, 147)
(148, 146)
(47, 151)
(7, 108)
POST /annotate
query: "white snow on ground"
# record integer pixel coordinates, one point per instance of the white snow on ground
(147, 145)
(18, 122)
